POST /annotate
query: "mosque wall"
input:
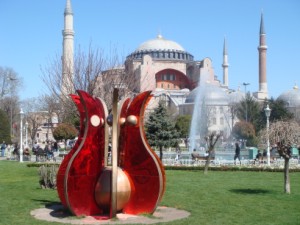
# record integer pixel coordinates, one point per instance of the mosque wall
(171, 79)
(147, 74)
(147, 68)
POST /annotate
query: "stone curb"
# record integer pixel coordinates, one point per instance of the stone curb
(55, 213)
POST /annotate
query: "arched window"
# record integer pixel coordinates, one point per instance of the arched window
(214, 121)
(221, 121)
(214, 110)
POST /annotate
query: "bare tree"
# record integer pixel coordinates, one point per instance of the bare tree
(93, 72)
(32, 108)
(52, 106)
(10, 82)
(87, 67)
(284, 135)
(211, 140)
(230, 115)
(11, 106)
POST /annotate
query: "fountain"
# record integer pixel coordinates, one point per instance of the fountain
(197, 129)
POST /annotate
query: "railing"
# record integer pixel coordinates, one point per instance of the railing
(224, 162)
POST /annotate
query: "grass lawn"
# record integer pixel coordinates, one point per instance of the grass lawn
(218, 198)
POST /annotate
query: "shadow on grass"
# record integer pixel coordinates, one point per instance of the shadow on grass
(250, 191)
(57, 208)
(59, 211)
(46, 202)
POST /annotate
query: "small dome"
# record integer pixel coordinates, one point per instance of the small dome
(159, 43)
(292, 97)
(214, 95)
(236, 96)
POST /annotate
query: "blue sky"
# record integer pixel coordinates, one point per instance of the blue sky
(31, 34)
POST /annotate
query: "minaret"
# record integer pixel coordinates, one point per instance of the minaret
(225, 64)
(67, 86)
(262, 53)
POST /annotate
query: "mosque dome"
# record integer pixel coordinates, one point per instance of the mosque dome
(213, 95)
(160, 43)
(161, 49)
(292, 97)
(236, 96)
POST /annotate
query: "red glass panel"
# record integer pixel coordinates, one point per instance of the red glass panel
(63, 166)
(122, 114)
(141, 163)
(85, 164)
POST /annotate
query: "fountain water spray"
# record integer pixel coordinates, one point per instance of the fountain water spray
(197, 124)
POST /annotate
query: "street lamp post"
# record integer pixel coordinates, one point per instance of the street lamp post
(246, 84)
(26, 133)
(21, 135)
(268, 113)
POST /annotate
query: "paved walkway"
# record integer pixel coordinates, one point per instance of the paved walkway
(55, 213)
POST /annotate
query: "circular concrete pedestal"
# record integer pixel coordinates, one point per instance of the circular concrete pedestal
(56, 213)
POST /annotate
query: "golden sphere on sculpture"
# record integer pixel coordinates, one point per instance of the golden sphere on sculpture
(103, 189)
(122, 121)
(132, 120)
(101, 122)
(96, 121)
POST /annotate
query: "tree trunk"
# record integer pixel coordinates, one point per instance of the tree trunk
(287, 187)
(208, 158)
(161, 153)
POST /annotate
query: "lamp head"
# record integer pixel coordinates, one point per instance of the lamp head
(21, 114)
(267, 111)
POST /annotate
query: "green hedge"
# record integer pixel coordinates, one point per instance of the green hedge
(230, 168)
(194, 168)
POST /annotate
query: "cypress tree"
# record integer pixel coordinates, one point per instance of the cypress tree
(4, 128)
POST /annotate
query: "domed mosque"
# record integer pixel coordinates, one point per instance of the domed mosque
(292, 99)
(161, 64)
(173, 75)
(167, 69)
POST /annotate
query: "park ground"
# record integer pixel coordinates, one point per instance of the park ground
(220, 197)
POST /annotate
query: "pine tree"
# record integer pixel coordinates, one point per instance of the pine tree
(160, 131)
(183, 125)
(5, 127)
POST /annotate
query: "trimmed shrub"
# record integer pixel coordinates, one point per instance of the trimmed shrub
(47, 176)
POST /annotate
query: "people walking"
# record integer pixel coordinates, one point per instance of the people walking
(237, 153)
(49, 151)
(16, 152)
(3, 148)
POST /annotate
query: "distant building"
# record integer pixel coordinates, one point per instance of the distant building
(292, 99)
(40, 126)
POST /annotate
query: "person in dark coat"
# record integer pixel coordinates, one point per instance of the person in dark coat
(237, 153)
